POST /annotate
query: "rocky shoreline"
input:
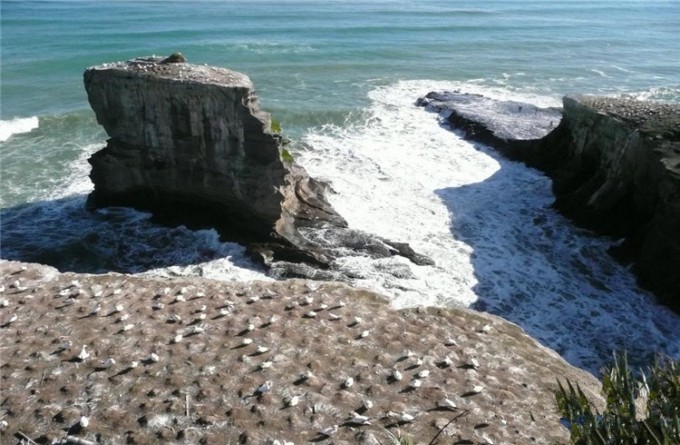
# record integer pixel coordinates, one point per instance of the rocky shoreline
(120, 359)
(190, 144)
(615, 166)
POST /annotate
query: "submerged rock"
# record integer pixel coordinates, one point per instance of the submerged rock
(615, 166)
(190, 144)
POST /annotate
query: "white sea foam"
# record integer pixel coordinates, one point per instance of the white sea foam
(488, 225)
(11, 127)
(485, 221)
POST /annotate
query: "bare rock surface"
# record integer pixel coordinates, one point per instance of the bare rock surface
(119, 359)
(615, 165)
(191, 144)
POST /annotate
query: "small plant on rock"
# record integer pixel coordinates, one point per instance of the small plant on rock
(639, 411)
(275, 126)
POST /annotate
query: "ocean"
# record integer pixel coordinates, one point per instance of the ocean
(343, 76)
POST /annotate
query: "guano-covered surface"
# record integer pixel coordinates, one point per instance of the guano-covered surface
(120, 359)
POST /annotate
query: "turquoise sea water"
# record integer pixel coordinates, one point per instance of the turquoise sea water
(343, 76)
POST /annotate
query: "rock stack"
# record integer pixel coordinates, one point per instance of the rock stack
(190, 144)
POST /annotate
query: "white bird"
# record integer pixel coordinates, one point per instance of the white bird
(263, 388)
(4, 302)
(310, 314)
(224, 311)
(108, 363)
(358, 419)
(157, 306)
(261, 349)
(134, 364)
(417, 383)
(180, 298)
(365, 334)
(273, 319)
(154, 357)
(406, 417)
(446, 362)
(446, 403)
(308, 300)
(250, 327)
(306, 375)
(356, 321)
(368, 404)
(323, 306)
(396, 375)
(178, 338)
(424, 373)
(246, 341)
(349, 381)
(201, 317)
(332, 316)
(83, 354)
(118, 308)
(128, 327)
(477, 389)
(419, 361)
(329, 431)
(292, 401)
(83, 422)
(449, 341)
(486, 328)
(254, 299)
(474, 362)
(266, 365)
(123, 318)
(195, 330)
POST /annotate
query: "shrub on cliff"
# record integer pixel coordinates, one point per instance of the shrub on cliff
(639, 411)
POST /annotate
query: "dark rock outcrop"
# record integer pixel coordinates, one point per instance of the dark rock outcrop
(190, 144)
(615, 166)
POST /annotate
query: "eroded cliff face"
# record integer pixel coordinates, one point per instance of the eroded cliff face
(615, 166)
(621, 176)
(190, 144)
(188, 136)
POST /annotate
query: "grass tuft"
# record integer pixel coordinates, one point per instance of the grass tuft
(639, 411)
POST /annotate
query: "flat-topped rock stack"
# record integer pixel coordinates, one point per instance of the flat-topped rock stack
(191, 144)
(119, 359)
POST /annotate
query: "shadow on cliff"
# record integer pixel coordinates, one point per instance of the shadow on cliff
(61, 233)
(537, 270)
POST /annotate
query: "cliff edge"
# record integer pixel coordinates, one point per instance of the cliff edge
(190, 144)
(119, 359)
(615, 166)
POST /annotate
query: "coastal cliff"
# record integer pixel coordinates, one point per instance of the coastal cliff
(190, 144)
(122, 359)
(615, 166)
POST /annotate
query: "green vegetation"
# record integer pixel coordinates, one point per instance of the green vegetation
(639, 411)
(286, 156)
(275, 126)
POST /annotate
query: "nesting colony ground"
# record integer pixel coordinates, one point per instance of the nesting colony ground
(118, 359)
